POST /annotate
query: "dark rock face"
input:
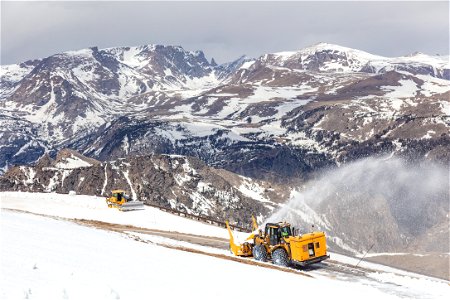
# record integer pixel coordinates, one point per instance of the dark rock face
(178, 182)
(267, 160)
(19, 142)
(446, 74)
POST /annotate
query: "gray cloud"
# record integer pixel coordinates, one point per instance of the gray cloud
(224, 30)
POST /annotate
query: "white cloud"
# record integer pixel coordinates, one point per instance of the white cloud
(224, 30)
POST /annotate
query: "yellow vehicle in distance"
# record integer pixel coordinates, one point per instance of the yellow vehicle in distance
(122, 202)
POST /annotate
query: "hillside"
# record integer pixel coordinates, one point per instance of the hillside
(172, 181)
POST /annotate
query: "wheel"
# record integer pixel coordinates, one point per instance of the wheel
(280, 257)
(260, 253)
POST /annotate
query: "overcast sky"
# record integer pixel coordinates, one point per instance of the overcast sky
(223, 30)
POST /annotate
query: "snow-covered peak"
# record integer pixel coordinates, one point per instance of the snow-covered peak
(141, 56)
(322, 57)
(325, 57)
(329, 48)
(321, 47)
(86, 52)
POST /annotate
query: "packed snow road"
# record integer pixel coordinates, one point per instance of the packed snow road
(135, 247)
(344, 270)
(209, 241)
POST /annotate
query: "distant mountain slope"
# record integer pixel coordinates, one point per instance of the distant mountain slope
(278, 117)
(172, 181)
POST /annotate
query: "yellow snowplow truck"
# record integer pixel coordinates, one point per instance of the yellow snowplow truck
(278, 243)
(122, 202)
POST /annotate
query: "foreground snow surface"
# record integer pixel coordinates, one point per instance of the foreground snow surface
(44, 258)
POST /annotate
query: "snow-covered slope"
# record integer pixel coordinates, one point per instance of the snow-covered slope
(47, 262)
(95, 208)
(37, 266)
(344, 233)
(76, 90)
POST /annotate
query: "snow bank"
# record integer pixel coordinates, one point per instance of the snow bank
(95, 208)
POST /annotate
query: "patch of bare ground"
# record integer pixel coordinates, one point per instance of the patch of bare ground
(190, 238)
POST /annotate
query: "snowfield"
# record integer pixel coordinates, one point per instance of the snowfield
(55, 260)
(47, 258)
(94, 208)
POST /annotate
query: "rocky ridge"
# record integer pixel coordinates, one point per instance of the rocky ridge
(171, 181)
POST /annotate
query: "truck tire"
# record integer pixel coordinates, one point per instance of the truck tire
(280, 257)
(260, 253)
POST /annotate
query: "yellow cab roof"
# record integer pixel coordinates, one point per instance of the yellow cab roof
(278, 225)
(117, 191)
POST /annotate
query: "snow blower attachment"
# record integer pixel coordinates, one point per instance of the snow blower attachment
(122, 202)
(278, 243)
(244, 249)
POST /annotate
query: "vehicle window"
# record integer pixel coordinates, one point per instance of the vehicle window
(286, 231)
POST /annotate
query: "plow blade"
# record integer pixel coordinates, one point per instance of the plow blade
(132, 205)
(244, 249)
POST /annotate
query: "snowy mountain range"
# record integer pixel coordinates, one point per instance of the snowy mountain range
(280, 116)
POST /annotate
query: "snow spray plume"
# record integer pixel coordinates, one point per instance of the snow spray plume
(411, 198)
